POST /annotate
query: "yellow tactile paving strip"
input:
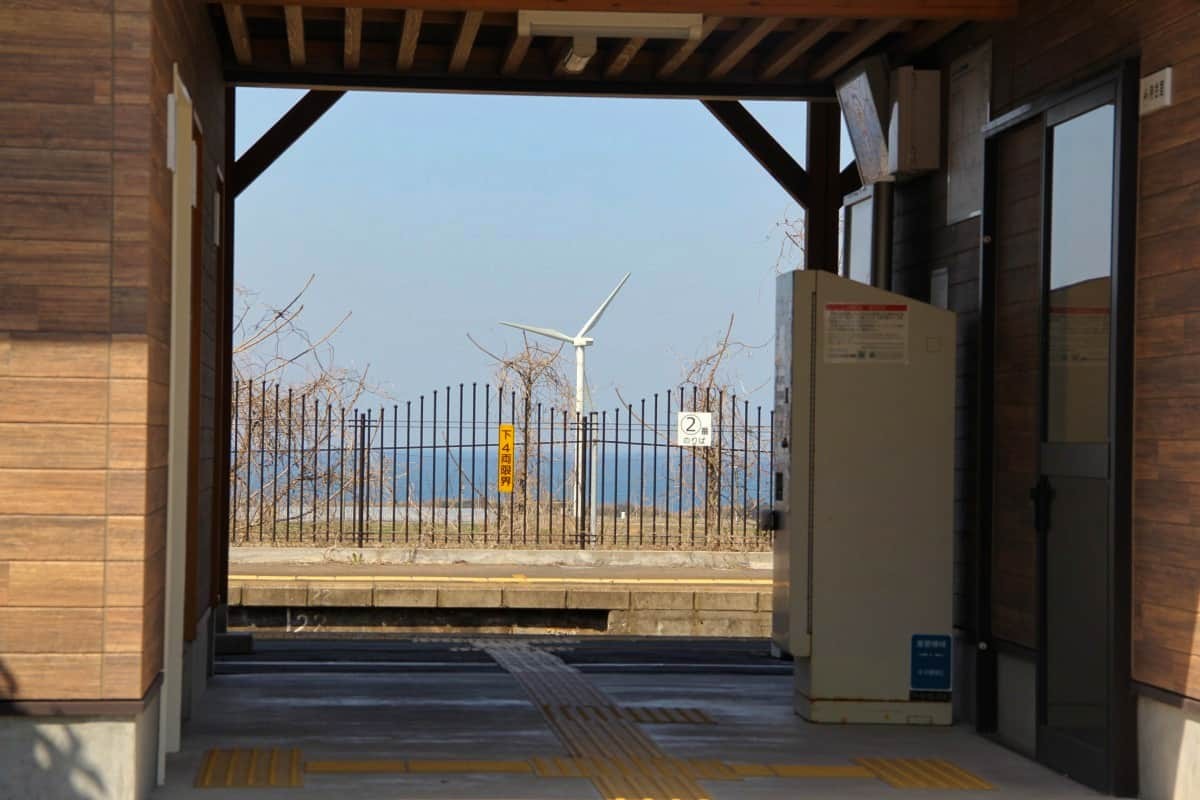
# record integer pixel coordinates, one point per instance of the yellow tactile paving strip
(264, 769)
(922, 773)
(652, 715)
(251, 767)
(624, 762)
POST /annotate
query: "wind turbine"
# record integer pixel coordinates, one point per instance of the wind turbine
(580, 341)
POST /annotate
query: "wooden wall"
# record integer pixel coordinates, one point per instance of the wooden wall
(84, 277)
(1051, 46)
(183, 35)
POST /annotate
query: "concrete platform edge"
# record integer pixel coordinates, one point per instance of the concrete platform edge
(574, 558)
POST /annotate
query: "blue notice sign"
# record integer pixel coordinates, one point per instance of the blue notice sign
(932, 666)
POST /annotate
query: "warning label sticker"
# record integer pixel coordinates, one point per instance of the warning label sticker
(866, 333)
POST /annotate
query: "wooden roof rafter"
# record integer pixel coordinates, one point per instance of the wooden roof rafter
(515, 54)
(239, 34)
(373, 43)
(738, 47)
(410, 33)
(352, 52)
(294, 19)
(922, 37)
(622, 55)
(467, 31)
(851, 47)
(795, 46)
(682, 51)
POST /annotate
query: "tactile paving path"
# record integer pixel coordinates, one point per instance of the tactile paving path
(655, 715)
(250, 767)
(625, 762)
(606, 746)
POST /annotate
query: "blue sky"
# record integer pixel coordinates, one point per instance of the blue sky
(433, 216)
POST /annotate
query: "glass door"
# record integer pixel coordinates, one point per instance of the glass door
(1073, 496)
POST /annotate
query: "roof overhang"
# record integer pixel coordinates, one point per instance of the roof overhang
(789, 49)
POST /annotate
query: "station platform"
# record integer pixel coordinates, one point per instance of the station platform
(621, 599)
(570, 718)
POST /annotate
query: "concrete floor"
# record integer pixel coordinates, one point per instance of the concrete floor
(472, 713)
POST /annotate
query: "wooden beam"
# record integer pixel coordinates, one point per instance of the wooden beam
(682, 51)
(849, 181)
(410, 32)
(821, 217)
(224, 397)
(294, 16)
(622, 56)
(853, 45)
(795, 46)
(239, 35)
(352, 52)
(282, 135)
(742, 43)
(921, 38)
(515, 55)
(811, 9)
(483, 81)
(760, 144)
(465, 40)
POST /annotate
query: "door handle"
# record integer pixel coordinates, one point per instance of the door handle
(1042, 495)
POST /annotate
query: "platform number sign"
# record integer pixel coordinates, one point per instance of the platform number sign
(931, 667)
(694, 429)
(505, 461)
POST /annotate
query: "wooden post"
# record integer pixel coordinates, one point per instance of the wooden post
(224, 417)
(824, 176)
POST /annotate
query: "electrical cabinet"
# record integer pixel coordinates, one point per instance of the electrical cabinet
(863, 495)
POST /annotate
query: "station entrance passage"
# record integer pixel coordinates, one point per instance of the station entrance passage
(558, 717)
(562, 717)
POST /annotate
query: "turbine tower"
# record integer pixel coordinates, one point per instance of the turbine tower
(580, 341)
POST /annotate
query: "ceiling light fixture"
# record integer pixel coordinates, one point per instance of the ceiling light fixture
(585, 27)
(581, 51)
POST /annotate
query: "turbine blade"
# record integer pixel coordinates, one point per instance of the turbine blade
(591, 323)
(550, 332)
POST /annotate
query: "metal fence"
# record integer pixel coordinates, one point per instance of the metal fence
(425, 473)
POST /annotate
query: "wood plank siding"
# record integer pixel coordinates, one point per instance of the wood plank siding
(1049, 47)
(84, 313)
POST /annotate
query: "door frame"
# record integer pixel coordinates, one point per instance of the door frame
(1122, 80)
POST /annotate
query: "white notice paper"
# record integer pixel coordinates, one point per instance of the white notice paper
(862, 333)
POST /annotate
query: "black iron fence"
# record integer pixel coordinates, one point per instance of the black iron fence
(427, 473)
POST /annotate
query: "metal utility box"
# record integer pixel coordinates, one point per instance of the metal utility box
(915, 122)
(864, 499)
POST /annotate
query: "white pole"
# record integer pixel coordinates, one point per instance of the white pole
(578, 379)
(579, 418)
(592, 451)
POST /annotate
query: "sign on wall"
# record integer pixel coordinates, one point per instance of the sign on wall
(931, 664)
(694, 429)
(507, 447)
(866, 333)
(968, 110)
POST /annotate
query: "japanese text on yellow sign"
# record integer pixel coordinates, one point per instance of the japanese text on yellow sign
(506, 458)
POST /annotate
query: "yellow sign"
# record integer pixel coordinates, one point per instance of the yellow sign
(507, 446)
